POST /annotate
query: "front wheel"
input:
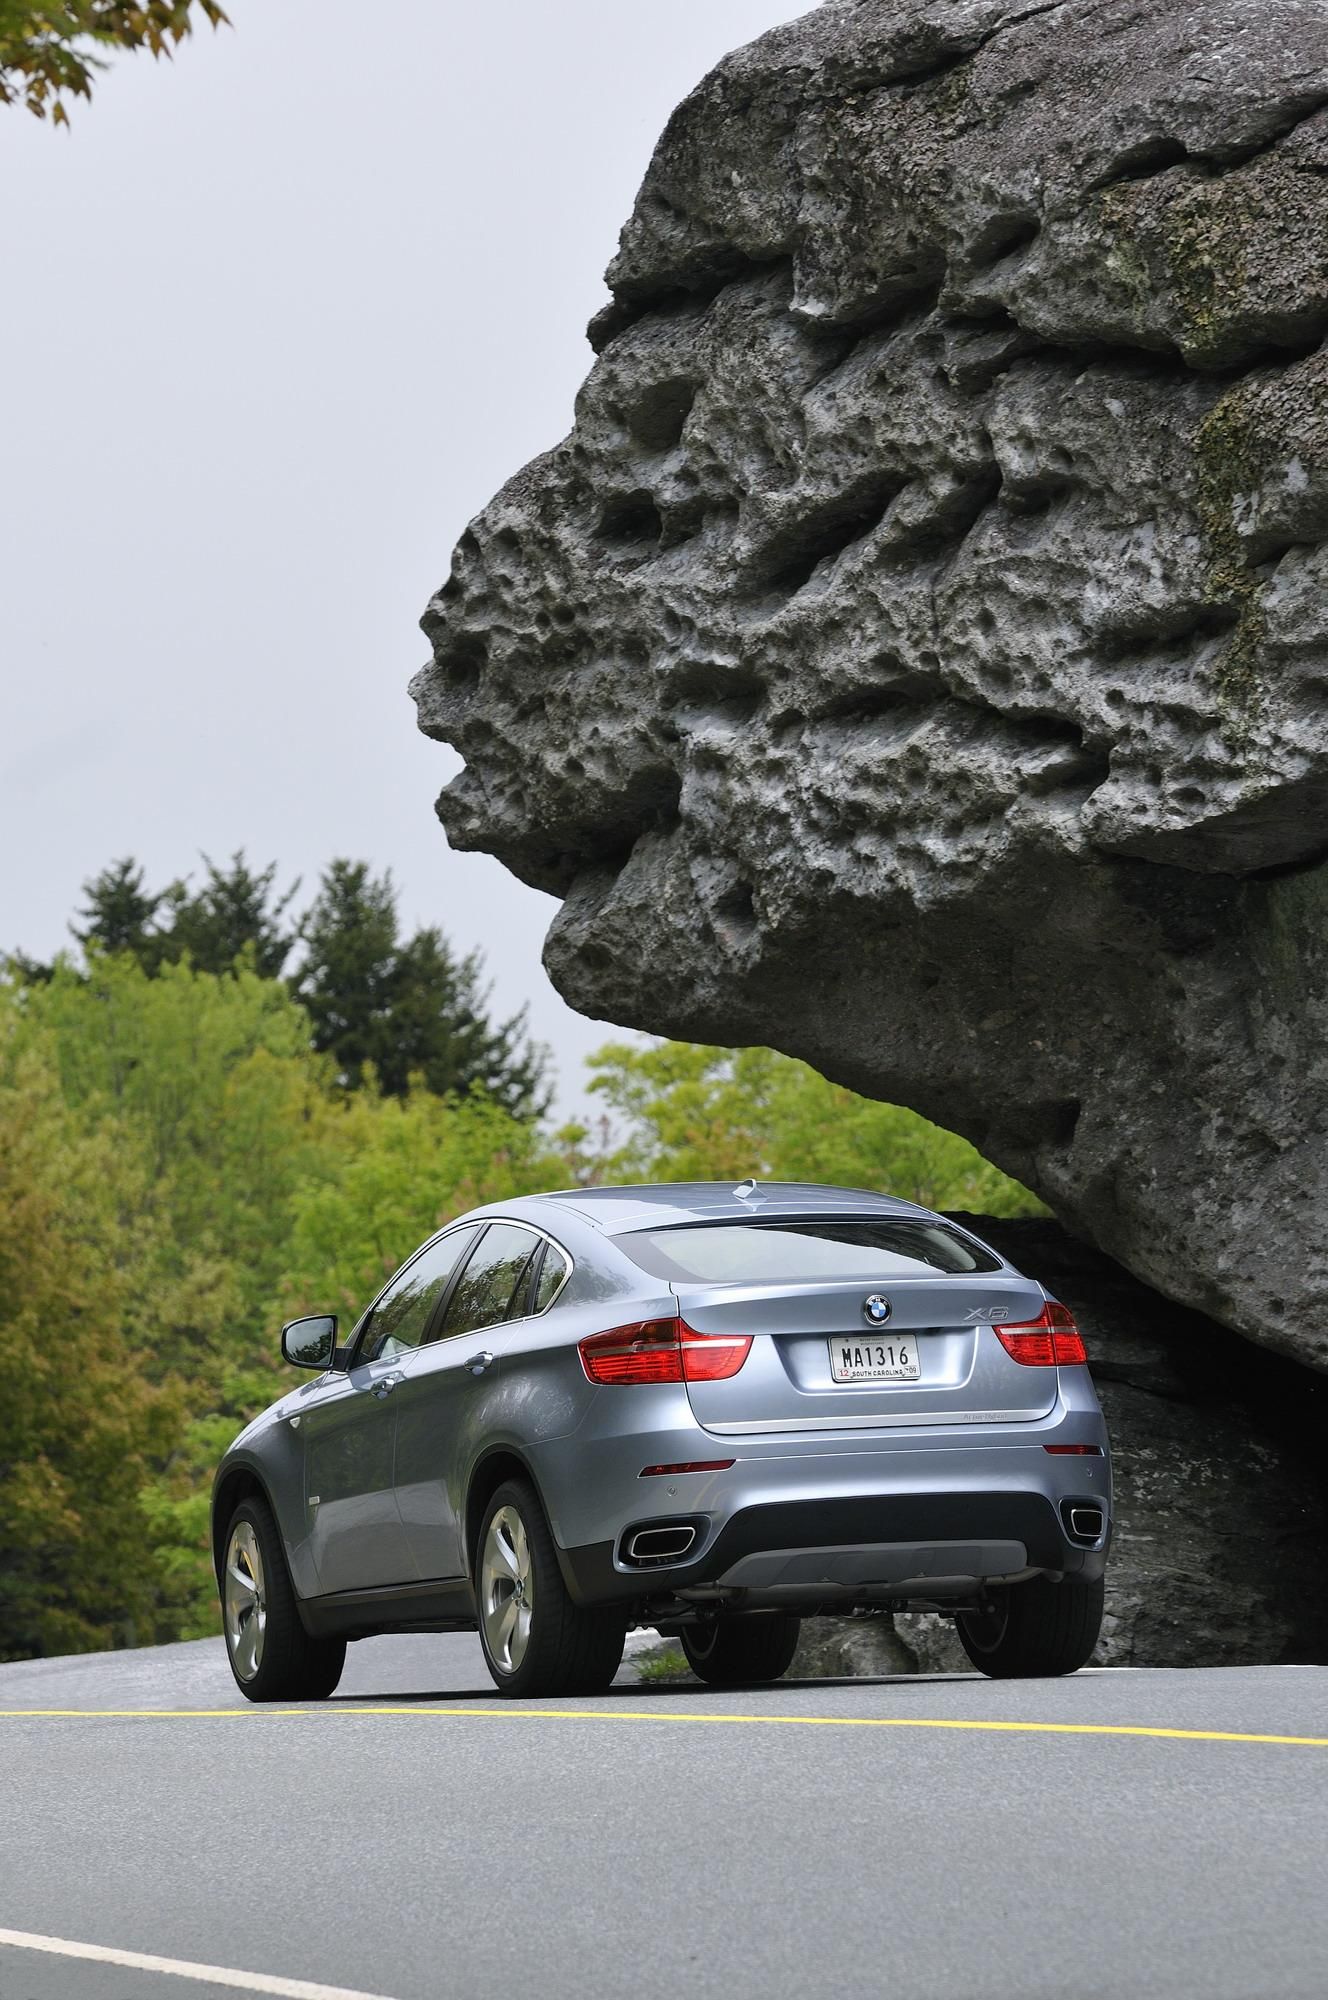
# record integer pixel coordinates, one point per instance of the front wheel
(536, 1641)
(730, 1652)
(272, 1657)
(1034, 1630)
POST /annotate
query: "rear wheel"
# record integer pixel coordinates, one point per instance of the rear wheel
(1036, 1629)
(536, 1640)
(272, 1657)
(731, 1651)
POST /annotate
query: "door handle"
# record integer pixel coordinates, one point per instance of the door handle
(479, 1362)
(386, 1384)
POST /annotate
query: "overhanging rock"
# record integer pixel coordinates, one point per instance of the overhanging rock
(916, 657)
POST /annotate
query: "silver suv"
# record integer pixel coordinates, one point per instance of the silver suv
(716, 1410)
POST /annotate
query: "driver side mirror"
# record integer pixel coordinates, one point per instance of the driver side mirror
(310, 1343)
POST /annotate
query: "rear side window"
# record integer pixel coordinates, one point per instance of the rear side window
(486, 1292)
(762, 1253)
(552, 1272)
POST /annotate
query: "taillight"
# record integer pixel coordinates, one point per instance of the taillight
(662, 1350)
(712, 1357)
(1051, 1340)
(647, 1351)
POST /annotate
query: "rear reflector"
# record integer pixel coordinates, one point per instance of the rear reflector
(693, 1465)
(1074, 1450)
(1051, 1340)
(662, 1350)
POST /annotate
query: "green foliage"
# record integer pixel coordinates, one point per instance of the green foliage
(388, 1010)
(403, 1168)
(119, 914)
(49, 53)
(668, 1663)
(235, 914)
(408, 1009)
(214, 1076)
(79, 1423)
(697, 1113)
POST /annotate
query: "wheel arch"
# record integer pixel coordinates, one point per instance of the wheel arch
(237, 1483)
(499, 1462)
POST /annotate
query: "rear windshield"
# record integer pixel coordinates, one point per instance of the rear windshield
(759, 1252)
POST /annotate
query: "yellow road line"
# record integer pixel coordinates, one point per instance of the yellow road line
(510, 1714)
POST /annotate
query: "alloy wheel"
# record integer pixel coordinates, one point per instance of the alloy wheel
(506, 1589)
(244, 1602)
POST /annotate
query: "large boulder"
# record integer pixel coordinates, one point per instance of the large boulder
(916, 657)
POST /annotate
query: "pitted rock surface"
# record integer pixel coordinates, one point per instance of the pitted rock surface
(916, 657)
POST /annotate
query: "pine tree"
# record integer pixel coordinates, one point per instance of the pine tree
(235, 910)
(119, 913)
(406, 1009)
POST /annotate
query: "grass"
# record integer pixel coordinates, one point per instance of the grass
(667, 1663)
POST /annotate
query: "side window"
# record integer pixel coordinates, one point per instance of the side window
(552, 1273)
(400, 1318)
(486, 1290)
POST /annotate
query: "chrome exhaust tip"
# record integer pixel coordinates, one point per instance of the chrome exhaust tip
(659, 1545)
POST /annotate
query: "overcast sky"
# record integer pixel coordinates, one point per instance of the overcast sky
(278, 319)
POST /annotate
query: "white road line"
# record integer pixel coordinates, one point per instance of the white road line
(180, 1968)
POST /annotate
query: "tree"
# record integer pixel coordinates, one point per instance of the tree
(406, 1010)
(234, 912)
(79, 1425)
(696, 1113)
(119, 913)
(396, 1169)
(48, 53)
(214, 1076)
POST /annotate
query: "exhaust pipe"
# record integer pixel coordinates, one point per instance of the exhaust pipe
(1086, 1522)
(659, 1545)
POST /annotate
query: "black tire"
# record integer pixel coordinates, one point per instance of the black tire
(1034, 1630)
(567, 1650)
(730, 1652)
(290, 1665)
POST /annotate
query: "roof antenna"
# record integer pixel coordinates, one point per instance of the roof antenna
(745, 1190)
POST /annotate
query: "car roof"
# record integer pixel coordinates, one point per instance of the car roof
(662, 1205)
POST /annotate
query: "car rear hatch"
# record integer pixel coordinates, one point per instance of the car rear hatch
(934, 1329)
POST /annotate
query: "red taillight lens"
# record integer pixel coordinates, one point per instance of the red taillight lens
(1074, 1450)
(1051, 1340)
(648, 1351)
(712, 1357)
(662, 1350)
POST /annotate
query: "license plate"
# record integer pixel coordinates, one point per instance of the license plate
(893, 1359)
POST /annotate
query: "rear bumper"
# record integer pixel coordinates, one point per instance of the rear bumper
(862, 1512)
(841, 1550)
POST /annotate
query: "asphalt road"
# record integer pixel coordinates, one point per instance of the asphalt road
(417, 1839)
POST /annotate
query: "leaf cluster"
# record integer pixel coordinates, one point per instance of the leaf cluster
(49, 53)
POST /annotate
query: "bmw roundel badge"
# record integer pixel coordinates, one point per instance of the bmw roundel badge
(875, 1309)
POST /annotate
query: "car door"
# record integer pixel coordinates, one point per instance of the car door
(356, 1532)
(441, 1386)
